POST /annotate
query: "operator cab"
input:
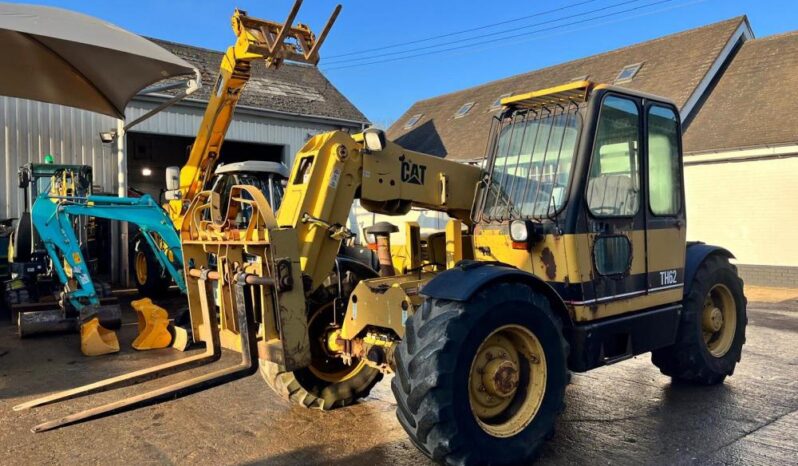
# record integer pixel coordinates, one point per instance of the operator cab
(268, 177)
(594, 169)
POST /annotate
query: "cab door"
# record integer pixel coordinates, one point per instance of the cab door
(615, 208)
(665, 212)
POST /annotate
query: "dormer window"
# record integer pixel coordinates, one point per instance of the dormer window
(464, 110)
(413, 120)
(627, 73)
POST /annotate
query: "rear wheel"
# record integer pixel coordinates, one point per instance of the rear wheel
(151, 279)
(329, 382)
(711, 333)
(482, 381)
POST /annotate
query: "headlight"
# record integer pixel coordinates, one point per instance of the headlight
(519, 231)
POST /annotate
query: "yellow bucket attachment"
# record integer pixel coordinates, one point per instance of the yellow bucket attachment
(96, 340)
(153, 325)
(181, 341)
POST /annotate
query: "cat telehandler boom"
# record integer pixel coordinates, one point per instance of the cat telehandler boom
(256, 41)
(573, 257)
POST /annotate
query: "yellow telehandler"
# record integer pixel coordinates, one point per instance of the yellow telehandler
(573, 257)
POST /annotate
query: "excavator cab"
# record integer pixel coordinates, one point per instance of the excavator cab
(32, 279)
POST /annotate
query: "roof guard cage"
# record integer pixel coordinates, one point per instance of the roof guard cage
(575, 92)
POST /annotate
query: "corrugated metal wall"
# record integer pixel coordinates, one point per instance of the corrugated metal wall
(30, 130)
(247, 127)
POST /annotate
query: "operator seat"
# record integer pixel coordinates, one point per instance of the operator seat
(612, 195)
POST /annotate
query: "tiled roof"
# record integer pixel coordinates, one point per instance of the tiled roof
(753, 103)
(672, 67)
(294, 88)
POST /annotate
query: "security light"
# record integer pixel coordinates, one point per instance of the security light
(107, 136)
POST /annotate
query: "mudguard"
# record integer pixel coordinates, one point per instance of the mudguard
(696, 254)
(467, 277)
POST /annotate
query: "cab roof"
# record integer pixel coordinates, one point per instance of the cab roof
(253, 166)
(570, 93)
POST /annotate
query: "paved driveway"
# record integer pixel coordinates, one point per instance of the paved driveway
(624, 414)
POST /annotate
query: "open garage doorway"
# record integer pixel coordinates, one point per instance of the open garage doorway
(148, 155)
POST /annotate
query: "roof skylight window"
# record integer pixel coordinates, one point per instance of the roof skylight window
(464, 110)
(627, 73)
(413, 120)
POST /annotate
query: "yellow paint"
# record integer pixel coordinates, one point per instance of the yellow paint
(256, 40)
(96, 340)
(577, 91)
(572, 259)
(454, 243)
(586, 313)
(153, 325)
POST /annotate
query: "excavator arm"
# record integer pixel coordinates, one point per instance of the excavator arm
(256, 40)
(53, 215)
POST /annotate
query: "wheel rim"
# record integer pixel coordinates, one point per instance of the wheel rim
(719, 320)
(507, 380)
(141, 267)
(324, 364)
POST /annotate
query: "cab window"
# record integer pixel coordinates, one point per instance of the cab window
(614, 182)
(664, 180)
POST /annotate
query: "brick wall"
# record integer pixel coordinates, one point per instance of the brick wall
(769, 275)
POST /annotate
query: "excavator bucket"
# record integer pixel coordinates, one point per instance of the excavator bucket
(154, 325)
(96, 340)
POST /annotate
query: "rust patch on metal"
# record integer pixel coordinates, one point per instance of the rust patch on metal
(506, 379)
(548, 261)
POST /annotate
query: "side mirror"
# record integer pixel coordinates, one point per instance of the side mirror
(374, 139)
(172, 178)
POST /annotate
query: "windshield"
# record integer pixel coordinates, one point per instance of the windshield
(269, 184)
(532, 164)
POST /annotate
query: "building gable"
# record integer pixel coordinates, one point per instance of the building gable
(679, 66)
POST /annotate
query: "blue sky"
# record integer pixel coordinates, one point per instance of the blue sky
(383, 91)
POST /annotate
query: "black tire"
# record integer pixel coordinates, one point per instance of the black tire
(9, 297)
(690, 359)
(304, 386)
(154, 282)
(432, 375)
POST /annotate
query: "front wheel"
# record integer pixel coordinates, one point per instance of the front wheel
(329, 382)
(151, 279)
(482, 381)
(711, 333)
